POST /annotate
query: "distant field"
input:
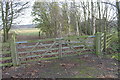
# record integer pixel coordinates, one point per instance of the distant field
(32, 31)
(28, 32)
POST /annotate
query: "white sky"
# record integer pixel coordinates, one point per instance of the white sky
(27, 18)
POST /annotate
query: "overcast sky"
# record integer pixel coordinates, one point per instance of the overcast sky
(27, 18)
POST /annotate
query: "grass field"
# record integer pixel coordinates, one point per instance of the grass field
(27, 31)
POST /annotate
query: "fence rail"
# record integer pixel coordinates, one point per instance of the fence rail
(5, 55)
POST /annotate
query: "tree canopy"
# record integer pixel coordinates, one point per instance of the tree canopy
(70, 18)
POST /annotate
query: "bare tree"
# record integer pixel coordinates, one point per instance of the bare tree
(10, 11)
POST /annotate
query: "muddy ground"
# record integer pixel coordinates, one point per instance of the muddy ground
(82, 66)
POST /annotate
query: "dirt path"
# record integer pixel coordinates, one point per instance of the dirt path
(82, 66)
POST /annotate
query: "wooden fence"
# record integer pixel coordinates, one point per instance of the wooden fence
(102, 42)
(34, 50)
(5, 55)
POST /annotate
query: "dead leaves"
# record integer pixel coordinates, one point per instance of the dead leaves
(110, 69)
(67, 65)
(7, 73)
(75, 72)
(32, 73)
(63, 64)
(58, 73)
(99, 66)
(103, 67)
(106, 76)
(35, 71)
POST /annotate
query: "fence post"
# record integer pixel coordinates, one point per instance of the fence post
(98, 43)
(60, 48)
(13, 50)
(105, 38)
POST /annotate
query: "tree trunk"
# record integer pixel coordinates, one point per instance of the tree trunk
(99, 12)
(118, 16)
(77, 27)
(85, 24)
(4, 35)
(7, 35)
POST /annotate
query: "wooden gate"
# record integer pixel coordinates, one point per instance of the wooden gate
(34, 50)
(27, 51)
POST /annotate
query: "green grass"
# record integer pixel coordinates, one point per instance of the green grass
(32, 32)
(114, 47)
(115, 37)
(116, 56)
(6, 58)
(27, 32)
(37, 59)
(6, 64)
(83, 73)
